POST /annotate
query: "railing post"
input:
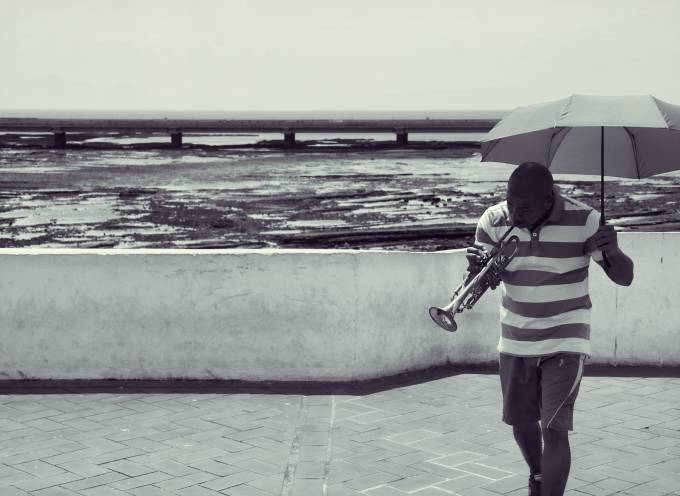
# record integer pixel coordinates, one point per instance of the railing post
(289, 138)
(402, 138)
(59, 139)
(176, 138)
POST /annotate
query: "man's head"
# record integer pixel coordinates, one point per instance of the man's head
(529, 194)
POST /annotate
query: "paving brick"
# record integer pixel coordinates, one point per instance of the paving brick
(102, 444)
(445, 432)
(462, 484)
(103, 491)
(193, 491)
(270, 483)
(412, 436)
(372, 480)
(595, 460)
(97, 480)
(245, 490)
(39, 468)
(310, 470)
(13, 491)
(455, 459)
(54, 491)
(78, 422)
(416, 483)
(155, 491)
(128, 468)
(220, 483)
(84, 468)
(172, 467)
(341, 490)
(484, 470)
(37, 483)
(259, 466)
(307, 487)
(394, 468)
(113, 456)
(214, 467)
(506, 484)
(142, 480)
(186, 480)
(30, 452)
(435, 491)
(384, 490)
(312, 453)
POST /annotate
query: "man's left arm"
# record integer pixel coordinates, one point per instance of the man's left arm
(617, 265)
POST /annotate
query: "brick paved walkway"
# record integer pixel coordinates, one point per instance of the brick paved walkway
(431, 433)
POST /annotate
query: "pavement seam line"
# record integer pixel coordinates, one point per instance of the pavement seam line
(294, 455)
(327, 467)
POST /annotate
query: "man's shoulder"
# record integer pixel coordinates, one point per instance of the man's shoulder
(497, 215)
(573, 204)
(581, 214)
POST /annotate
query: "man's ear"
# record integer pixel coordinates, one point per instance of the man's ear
(549, 199)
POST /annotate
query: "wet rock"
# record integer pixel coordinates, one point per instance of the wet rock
(135, 192)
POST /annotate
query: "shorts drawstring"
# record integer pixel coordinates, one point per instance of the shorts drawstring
(579, 374)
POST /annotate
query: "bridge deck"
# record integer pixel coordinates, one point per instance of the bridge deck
(265, 125)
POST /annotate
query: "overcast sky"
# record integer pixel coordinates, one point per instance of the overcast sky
(332, 54)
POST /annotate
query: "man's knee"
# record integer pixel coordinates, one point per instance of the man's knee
(525, 426)
(554, 437)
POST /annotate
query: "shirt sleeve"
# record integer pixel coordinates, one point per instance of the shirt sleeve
(484, 232)
(592, 225)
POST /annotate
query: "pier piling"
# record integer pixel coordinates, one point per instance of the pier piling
(59, 140)
(176, 138)
(289, 138)
(402, 138)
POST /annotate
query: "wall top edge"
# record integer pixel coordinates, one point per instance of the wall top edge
(205, 251)
(247, 251)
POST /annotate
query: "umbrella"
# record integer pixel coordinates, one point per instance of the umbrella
(633, 136)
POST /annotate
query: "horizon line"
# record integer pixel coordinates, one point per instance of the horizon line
(245, 110)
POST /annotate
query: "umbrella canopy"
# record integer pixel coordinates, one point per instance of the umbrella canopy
(624, 136)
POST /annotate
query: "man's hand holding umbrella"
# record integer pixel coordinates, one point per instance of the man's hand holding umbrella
(620, 269)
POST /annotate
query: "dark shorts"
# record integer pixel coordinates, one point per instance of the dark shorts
(541, 388)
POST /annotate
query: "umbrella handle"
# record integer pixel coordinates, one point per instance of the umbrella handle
(604, 255)
(606, 261)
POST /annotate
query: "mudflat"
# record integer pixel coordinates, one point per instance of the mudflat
(409, 198)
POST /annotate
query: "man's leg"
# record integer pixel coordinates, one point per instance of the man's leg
(528, 437)
(556, 462)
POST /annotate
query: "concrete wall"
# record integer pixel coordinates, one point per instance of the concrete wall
(290, 314)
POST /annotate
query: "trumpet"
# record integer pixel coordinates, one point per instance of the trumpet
(473, 287)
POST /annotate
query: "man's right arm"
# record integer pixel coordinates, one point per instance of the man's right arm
(483, 243)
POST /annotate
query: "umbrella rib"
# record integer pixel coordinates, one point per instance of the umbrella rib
(663, 114)
(551, 156)
(492, 145)
(635, 151)
(567, 105)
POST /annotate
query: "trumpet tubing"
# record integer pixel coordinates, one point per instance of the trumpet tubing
(466, 295)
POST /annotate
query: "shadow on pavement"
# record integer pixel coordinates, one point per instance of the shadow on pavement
(362, 387)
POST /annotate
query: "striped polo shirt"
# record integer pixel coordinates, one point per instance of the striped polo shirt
(545, 305)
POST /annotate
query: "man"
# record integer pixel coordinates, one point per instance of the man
(545, 313)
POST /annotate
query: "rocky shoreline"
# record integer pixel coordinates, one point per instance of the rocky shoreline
(416, 198)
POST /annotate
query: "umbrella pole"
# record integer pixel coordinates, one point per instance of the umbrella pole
(602, 220)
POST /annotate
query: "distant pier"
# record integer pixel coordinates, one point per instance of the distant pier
(287, 127)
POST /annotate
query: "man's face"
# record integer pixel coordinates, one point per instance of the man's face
(526, 207)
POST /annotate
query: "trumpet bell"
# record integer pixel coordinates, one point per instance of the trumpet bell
(443, 319)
